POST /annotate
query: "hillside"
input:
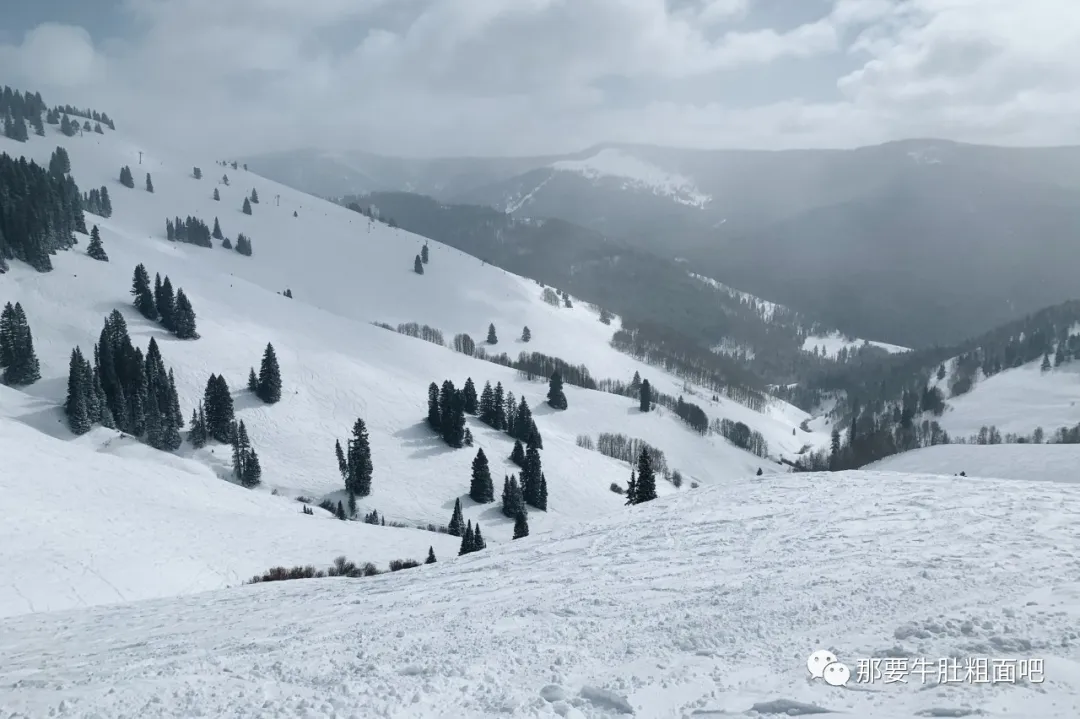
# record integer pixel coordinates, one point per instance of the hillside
(344, 272)
(1035, 462)
(704, 604)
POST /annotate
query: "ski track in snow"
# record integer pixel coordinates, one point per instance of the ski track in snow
(709, 602)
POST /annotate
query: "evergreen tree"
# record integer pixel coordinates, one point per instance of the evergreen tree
(216, 234)
(430, 556)
(470, 396)
(646, 479)
(467, 540)
(534, 440)
(75, 406)
(522, 427)
(197, 435)
(521, 525)
(22, 367)
(418, 265)
(1046, 363)
(456, 528)
(269, 389)
(631, 489)
(226, 243)
(140, 289)
(149, 184)
(835, 449)
(646, 396)
(498, 409)
(126, 178)
(543, 495)
(491, 338)
(95, 248)
(424, 254)
(217, 195)
(517, 454)
(486, 405)
(481, 489)
(340, 513)
(165, 301)
(247, 206)
(243, 245)
(530, 477)
(343, 465)
(59, 163)
(254, 196)
(478, 542)
(526, 335)
(218, 405)
(358, 465)
(225, 180)
(184, 318)
(196, 173)
(252, 470)
(555, 397)
(253, 381)
(105, 202)
(352, 504)
(434, 416)
(1059, 354)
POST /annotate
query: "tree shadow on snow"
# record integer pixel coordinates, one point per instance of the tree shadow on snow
(423, 441)
(246, 399)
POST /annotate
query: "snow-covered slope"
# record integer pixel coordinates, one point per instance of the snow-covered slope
(633, 173)
(706, 604)
(102, 519)
(1041, 462)
(1015, 400)
(344, 272)
(831, 344)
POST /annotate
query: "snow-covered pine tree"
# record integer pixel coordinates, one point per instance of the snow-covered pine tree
(95, 249)
(556, 397)
(140, 290)
(521, 525)
(480, 489)
(456, 528)
(269, 383)
(75, 408)
(23, 367)
(184, 318)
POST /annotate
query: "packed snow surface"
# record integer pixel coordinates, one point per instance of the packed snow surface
(637, 174)
(706, 604)
(831, 344)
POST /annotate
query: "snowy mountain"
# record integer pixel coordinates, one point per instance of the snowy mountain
(344, 272)
(704, 604)
(632, 173)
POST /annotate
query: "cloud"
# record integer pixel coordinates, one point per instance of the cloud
(523, 76)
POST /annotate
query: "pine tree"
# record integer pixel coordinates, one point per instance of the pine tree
(252, 470)
(254, 196)
(486, 405)
(105, 202)
(140, 289)
(526, 335)
(543, 495)
(196, 173)
(418, 265)
(478, 542)
(59, 163)
(646, 396)
(492, 339)
(75, 406)
(217, 195)
(269, 389)
(470, 396)
(517, 454)
(434, 415)
(23, 367)
(631, 489)
(456, 528)
(555, 397)
(225, 180)
(481, 489)
(184, 318)
(149, 184)
(243, 245)
(646, 479)
(424, 254)
(343, 465)
(521, 525)
(498, 408)
(467, 540)
(218, 404)
(165, 301)
(340, 513)
(253, 381)
(1046, 363)
(530, 477)
(523, 423)
(834, 458)
(430, 556)
(126, 178)
(247, 206)
(216, 234)
(352, 504)
(95, 248)
(197, 435)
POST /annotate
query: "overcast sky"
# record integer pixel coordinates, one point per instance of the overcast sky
(478, 77)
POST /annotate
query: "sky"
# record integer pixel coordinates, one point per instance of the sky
(521, 77)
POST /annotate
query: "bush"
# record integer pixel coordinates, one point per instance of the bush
(676, 478)
(341, 567)
(616, 488)
(398, 564)
(280, 574)
(305, 500)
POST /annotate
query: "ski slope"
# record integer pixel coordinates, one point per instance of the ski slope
(1016, 400)
(345, 272)
(704, 604)
(102, 520)
(1039, 462)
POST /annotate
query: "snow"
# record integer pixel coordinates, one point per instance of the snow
(702, 604)
(345, 272)
(1042, 462)
(636, 174)
(1017, 401)
(767, 308)
(832, 343)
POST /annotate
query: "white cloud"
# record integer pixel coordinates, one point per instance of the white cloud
(491, 76)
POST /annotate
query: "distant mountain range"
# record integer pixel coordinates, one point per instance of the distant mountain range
(916, 242)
